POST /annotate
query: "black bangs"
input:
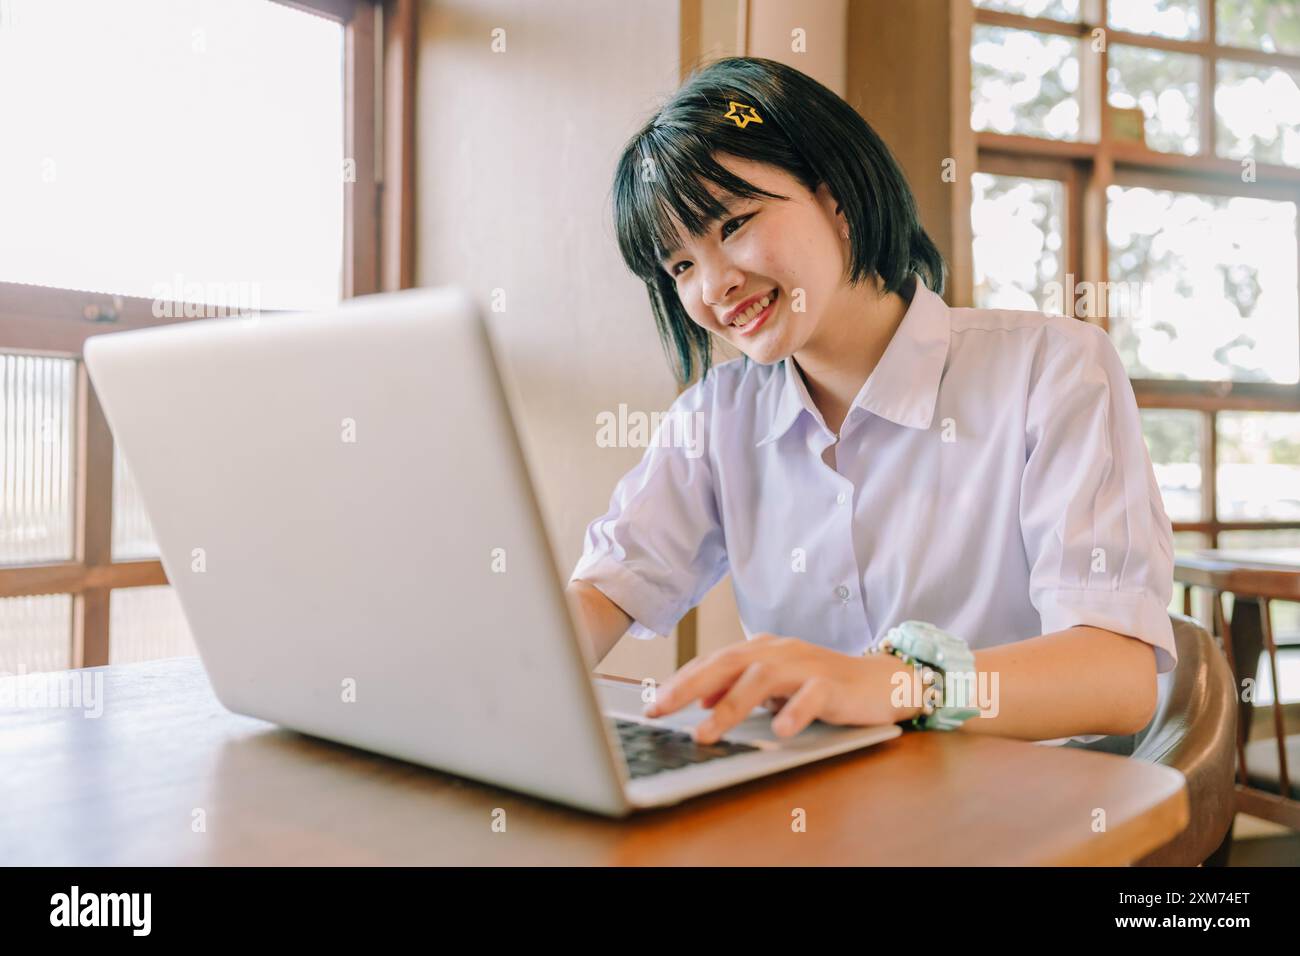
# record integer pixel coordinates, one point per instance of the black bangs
(661, 187)
(764, 111)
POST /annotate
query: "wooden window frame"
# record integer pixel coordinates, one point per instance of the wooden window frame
(380, 43)
(1089, 165)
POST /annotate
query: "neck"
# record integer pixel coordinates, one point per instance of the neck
(846, 348)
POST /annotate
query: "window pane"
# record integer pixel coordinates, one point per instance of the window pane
(36, 459)
(146, 624)
(1165, 86)
(35, 633)
(1180, 19)
(163, 147)
(1023, 82)
(1018, 240)
(1288, 663)
(1259, 466)
(1272, 25)
(1210, 283)
(133, 538)
(1188, 542)
(1171, 436)
(1257, 113)
(1055, 9)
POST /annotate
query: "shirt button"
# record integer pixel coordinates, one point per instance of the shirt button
(842, 593)
(841, 498)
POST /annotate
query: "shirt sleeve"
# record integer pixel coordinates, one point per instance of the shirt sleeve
(659, 548)
(1099, 543)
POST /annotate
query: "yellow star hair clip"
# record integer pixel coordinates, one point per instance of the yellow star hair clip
(741, 120)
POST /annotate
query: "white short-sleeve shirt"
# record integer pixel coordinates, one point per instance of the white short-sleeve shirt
(991, 478)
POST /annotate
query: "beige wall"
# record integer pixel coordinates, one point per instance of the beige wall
(515, 154)
(771, 34)
(917, 97)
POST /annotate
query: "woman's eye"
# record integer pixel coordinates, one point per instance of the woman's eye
(737, 222)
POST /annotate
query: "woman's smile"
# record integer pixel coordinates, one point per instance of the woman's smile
(757, 316)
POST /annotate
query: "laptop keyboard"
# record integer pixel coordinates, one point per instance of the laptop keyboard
(650, 749)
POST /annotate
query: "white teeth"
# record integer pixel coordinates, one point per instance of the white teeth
(747, 316)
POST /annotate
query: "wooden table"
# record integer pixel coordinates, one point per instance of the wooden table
(127, 788)
(1253, 578)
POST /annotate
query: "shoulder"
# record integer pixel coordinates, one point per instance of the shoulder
(1039, 339)
(1056, 330)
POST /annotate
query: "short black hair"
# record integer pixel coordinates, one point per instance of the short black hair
(807, 130)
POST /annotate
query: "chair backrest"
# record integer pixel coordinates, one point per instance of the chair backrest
(1194, 730)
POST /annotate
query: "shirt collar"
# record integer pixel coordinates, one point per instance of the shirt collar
(904, 385)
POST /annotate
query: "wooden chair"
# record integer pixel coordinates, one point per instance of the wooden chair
(1265, 786)
(1194, 730)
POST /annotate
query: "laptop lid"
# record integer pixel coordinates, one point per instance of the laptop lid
(341, 504)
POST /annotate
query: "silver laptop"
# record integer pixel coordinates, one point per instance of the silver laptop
(343, 509)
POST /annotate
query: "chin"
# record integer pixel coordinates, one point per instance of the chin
(765, 356)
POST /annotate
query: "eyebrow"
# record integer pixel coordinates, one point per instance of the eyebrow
(728, 206)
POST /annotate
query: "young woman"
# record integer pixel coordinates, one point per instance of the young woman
(874, 456)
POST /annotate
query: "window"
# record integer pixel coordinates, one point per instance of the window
(1025, 83)
(1017, 223)
(1140, 163)
(1057, 9)
(166, 160)
(1165, 87)
(226, 115)
(1213, 279)
(1173, 440)
(36, 451)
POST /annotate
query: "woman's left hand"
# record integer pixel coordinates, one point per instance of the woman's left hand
(806, 682)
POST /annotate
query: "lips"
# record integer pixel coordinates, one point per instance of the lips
(749, 317)
(745, 313)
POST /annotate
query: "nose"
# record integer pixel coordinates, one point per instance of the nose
(721, 281)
